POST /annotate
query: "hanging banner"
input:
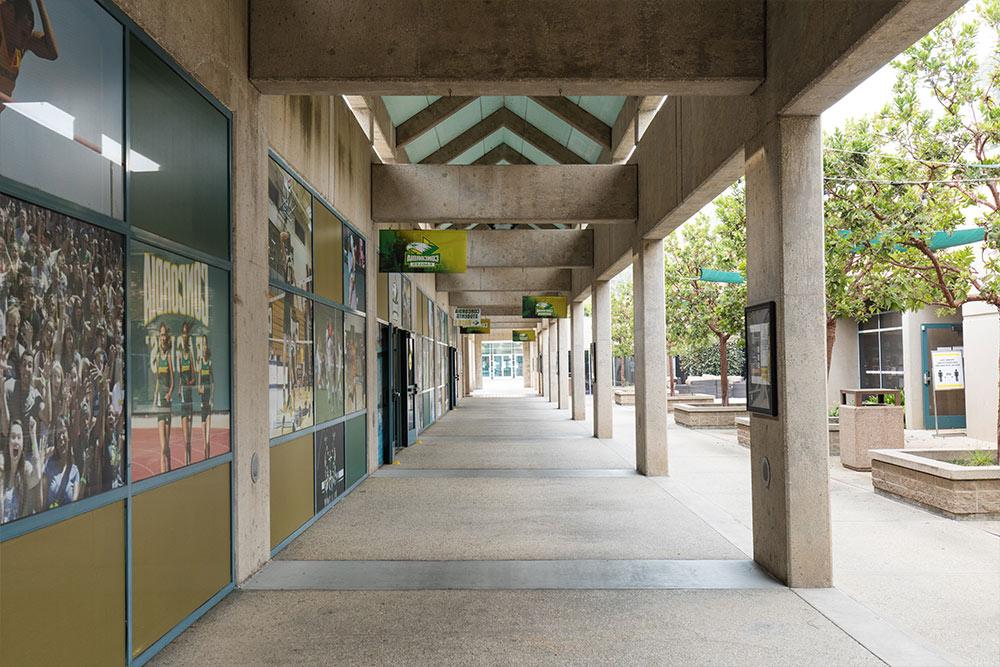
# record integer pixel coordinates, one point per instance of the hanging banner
(482, 328)
(949, 372)
(422, 251)
(544, 306)
(523, 336)
(468, 317)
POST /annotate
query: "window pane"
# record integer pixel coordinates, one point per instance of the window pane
(179, 164)
(290, 366)
(892, 351)
(870, 324)
(354, 362)
(329, 363)
(289, 228)
(868, 354)
(893, 319)
(63, 306)
(354, 270)
(179, 361)
(61, 101)
(329, 246)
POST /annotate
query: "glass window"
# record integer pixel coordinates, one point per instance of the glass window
(289, 228)
(62, 304)
(179, 159)
(329, 363)
(329, 244)
(61, 82)
(329, 455)
(880, 351)
(179, 361)
(354, 270)
(290, 363)
(355, 359)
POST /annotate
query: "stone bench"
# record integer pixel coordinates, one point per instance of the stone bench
(708, 416)
(625, 396)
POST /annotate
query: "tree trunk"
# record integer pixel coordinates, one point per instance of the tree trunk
(831, 338)
(724, 369)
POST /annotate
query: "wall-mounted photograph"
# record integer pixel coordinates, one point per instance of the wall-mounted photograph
(290, 363)
(329, 454)
(289, 229)
(329, 343)
(62, 311)
(355, 264)
(179, 361)
(354, 363)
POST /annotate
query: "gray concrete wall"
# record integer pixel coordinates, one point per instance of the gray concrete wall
(844, 368)
(981, 332)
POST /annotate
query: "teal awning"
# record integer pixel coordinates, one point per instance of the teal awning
(714, 276)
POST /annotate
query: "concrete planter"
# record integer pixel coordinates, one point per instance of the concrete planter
(926, 478)
(708, 416)
(689, 399)
(867, 427)
(743, 434)
(625, 396)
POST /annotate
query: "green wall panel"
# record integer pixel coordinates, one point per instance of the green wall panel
(355, 444)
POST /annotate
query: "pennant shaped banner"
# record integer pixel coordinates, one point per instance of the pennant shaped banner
(544, 306)
(523, 335)
(482, 328)
(422, 251)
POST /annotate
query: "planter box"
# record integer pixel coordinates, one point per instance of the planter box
(625, 396)
(708, 416)
(867, 427)
(690, 399)
(926, 478)
(743, 434)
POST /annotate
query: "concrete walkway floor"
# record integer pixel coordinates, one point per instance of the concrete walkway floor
(509, 536)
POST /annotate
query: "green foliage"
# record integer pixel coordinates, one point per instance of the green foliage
(705, 360)
(622, 313)
(976, 459)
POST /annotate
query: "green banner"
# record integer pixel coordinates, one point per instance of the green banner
(544, 306)
(523, 336)
(483, 328)
(422, 251)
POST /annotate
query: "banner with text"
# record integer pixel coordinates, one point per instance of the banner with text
(544, 306)
(523, 335)
(482, 328)
(468, 317)
(422, 251)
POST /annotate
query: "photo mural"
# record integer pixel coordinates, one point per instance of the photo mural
(290, 363)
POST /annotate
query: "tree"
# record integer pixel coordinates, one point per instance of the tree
(931, 168)
(621, 322)
(699, 312)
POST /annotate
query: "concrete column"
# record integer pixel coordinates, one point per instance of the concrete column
(600, 313)
(791, 505)
(554, 361)
(650, 359)
(543, 344)
(579, 370)
(526, 366)
(477, 360)
(564, 346)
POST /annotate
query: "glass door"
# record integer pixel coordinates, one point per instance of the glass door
(942, 409)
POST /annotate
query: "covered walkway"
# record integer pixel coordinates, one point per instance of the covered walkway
(510, 536)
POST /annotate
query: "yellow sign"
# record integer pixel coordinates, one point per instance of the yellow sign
(422, 251)
(948, 371)
(523, 335)
(482, 328)
(544, 306)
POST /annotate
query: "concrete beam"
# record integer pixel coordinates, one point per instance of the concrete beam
(593, 194)
(426, 119)
(500, 119)
(587, 124)
(562, 47)
(507, 279)
(503, 153)
(504, 299)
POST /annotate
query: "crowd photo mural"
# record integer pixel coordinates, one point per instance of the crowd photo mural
(179, 322)
(62, 304)
(329, 363)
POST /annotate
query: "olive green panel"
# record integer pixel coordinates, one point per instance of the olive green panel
(63, 592)
(181, 553)
(383, 296)
(292, 480)
(328, 253)
(356, 449)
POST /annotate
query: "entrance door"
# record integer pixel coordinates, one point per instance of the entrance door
(387, 432)
(452, 378)
(404, 389)
(950, 405)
